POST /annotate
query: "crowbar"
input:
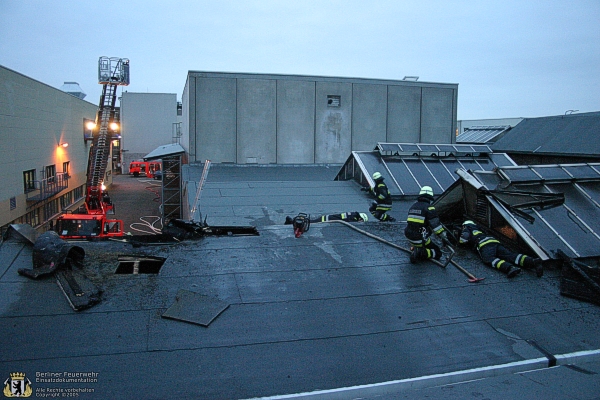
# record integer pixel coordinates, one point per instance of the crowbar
(472, 278)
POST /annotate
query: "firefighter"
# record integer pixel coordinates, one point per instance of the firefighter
(423, 220)
(383, 203)
(494, 254)
(353, 216)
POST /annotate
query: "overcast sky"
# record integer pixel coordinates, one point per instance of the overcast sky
(510, 58)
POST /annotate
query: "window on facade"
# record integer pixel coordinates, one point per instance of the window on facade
(32, 218)
(78, 193)
(50, 172)
(334, 101)
(66, 200)
(66, 166)
(29, 180)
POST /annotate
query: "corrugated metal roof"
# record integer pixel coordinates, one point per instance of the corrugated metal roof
(481, 134)
(575, 134)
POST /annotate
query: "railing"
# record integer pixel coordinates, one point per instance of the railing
(48, 187)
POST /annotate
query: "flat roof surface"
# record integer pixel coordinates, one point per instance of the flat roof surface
(332, 309)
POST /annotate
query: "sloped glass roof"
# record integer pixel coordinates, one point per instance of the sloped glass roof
(481, 134)
(406, 167)
(428, 149)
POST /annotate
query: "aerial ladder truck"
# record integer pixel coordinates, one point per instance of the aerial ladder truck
(90, 221)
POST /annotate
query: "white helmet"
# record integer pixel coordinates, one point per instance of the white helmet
(426, 190)
(376, 175)
(364, 217)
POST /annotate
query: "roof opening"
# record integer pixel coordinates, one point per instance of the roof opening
(139, 265)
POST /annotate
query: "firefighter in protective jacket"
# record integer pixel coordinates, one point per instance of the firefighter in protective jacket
(383, 203)
(494, 254)
(422, 220)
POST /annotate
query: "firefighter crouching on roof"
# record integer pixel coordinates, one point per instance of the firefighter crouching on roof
(383, 204)
(494, 254)
(423, 219)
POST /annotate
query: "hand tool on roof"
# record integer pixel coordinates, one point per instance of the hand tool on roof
(472, 278)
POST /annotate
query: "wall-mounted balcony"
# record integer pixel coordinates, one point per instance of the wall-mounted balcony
(48, 187)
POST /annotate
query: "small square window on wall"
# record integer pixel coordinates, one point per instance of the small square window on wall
(334, 101)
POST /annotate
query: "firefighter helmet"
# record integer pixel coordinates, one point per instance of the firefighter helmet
(426, 190)
(377, 175)
(364, 217)
(468, 222)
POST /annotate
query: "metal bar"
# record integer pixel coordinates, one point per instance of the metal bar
(392, 175)
(432, 175)
(569, 210)
(411, 174)
(556, 233)
(586, 194)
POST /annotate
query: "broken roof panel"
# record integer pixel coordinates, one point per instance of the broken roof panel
(567, 226)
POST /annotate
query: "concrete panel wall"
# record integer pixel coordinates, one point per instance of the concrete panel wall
(216, 105)
(188, 142)
(369, 116)
(404, 114)
(295, 122)
(437, 106)
(236, 117)
(333, 141)
(256, 121)
(147, 120)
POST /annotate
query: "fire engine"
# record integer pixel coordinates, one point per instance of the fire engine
(91, 220)
(144, 168)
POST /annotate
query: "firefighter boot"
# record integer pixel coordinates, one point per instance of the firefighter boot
(510, 270)
(416, 254)
(413, 256)
(513, 271)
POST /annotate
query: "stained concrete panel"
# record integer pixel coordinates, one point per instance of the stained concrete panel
(295, 122)
(369, 116)
(216, 119)
(404, 114)
(436, 124)
(256, 121)
(333, 141)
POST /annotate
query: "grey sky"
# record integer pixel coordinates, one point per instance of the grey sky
(510, 58)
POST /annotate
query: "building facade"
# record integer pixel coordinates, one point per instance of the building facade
(148, 120)
(289, 119)
(43, 154)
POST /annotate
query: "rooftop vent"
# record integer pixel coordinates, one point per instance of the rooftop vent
(73, 89)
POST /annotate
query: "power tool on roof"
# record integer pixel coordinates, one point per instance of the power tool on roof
(301, 224)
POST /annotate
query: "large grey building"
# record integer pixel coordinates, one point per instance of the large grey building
(43, 154)
(291, 119)
(148, 120)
